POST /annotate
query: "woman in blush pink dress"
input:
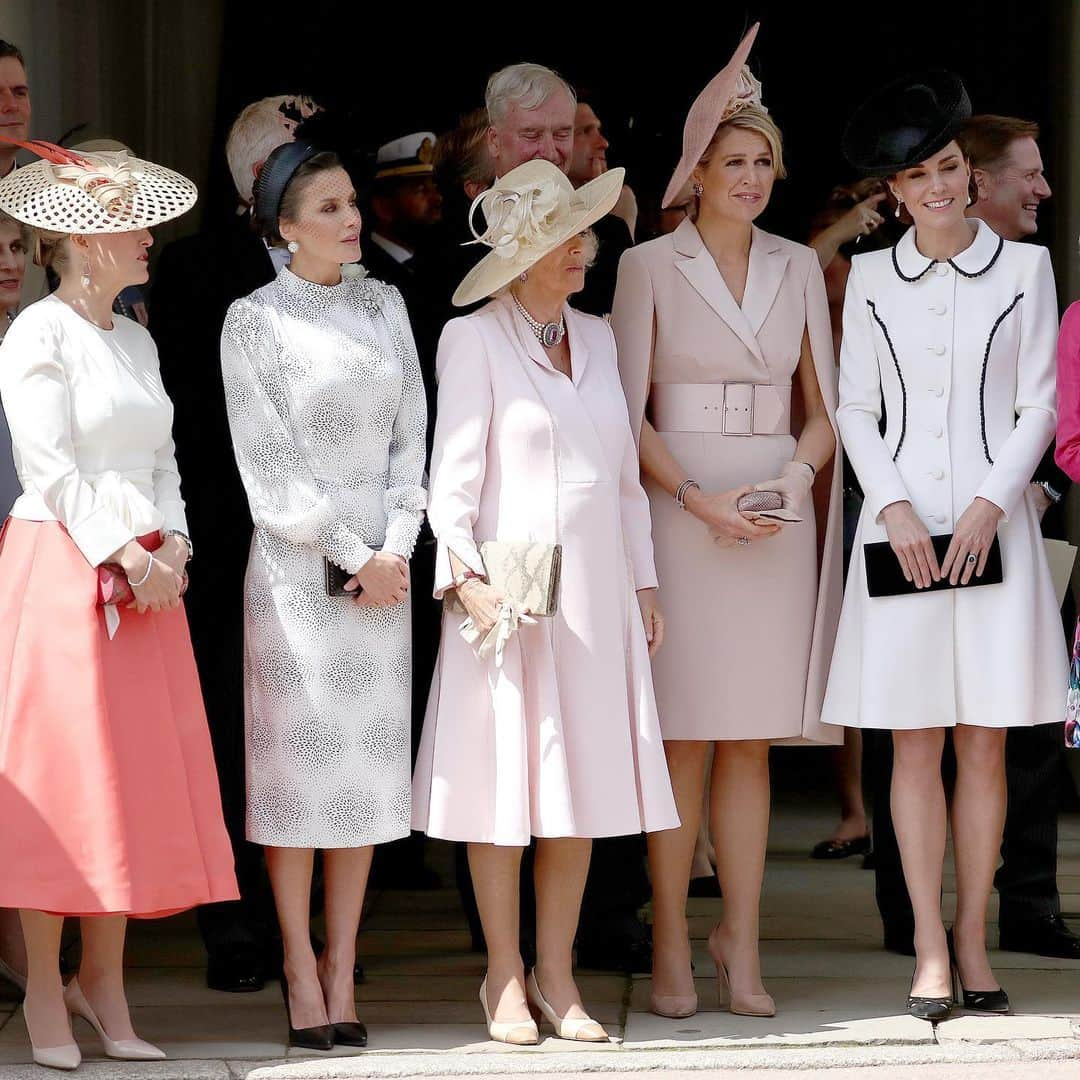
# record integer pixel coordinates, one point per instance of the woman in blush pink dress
(726, 357)
(553, 732)
(108, 791)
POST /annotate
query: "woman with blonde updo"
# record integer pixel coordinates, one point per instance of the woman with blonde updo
(723, 335)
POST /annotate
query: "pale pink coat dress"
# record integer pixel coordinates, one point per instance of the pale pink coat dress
(563, 739)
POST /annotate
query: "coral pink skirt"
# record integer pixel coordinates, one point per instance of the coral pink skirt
(109, 799)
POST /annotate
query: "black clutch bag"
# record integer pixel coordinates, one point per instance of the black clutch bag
(336, 578)
(885, 578)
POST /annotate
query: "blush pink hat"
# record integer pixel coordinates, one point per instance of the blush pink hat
(727, 92)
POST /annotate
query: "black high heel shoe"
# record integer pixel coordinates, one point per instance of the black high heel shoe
(349, 1033)
(934, 1010)
(310, 1038)
(984, 1001)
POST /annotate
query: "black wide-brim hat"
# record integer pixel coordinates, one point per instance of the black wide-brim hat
(906, 122)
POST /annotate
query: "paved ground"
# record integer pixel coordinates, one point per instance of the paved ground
(840, 999)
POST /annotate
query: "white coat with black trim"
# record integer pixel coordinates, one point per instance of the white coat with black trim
(959, 356)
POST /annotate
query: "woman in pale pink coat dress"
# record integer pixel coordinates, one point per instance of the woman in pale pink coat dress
(725, 350)
(562, 741)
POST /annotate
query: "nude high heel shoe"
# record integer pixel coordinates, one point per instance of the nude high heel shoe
(121, 1049)
(745, 1005)
(515, 1032)
(579, 1029)
(673, 1006)
(66, 1056)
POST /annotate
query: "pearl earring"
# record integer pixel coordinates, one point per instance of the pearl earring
(699, 190)
(899, 204)
(85, 279)
(523, 277)
(293, 247)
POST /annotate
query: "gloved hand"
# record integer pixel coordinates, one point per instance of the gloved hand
(793, 484)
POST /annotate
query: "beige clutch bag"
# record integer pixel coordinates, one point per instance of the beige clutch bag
(529, 573)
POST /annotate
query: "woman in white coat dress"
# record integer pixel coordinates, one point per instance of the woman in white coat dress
(952, 335)
(557, 738)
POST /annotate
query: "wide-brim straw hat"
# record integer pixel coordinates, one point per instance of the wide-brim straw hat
(531, 211)
(726, 93)
(101, 192)
(906, 122)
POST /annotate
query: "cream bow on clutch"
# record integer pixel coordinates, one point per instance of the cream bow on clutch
(494, 641)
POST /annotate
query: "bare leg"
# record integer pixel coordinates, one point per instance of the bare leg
(918, 806)
(290, 877)
(46, 1015)
(12, 948)
(740, 828)
(978, 818)
(671, 853)
(345, 874)
(496, 873)
(848, 760)
(101, 973)
(559, 871)
(703, 865)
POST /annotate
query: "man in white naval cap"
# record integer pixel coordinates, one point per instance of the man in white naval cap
(405, 203)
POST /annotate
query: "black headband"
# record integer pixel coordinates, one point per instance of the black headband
(278, 169)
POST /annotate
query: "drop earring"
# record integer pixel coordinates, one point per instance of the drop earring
(698, 190)
(85, 279)
(292, 247)
(523, 276)
(899, 204)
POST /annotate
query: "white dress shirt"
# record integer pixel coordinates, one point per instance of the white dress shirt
(91, 428)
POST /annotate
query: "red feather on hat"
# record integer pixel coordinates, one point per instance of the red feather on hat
(58, 155)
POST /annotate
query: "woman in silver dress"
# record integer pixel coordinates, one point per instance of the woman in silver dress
(326, 407)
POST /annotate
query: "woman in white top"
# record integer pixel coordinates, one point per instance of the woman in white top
(108, 792)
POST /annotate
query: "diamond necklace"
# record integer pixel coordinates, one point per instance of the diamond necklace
(548, 334)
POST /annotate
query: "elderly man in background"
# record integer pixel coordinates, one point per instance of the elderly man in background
(195, 281)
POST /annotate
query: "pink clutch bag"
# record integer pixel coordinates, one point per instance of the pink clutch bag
(113, 587)
(768, 505)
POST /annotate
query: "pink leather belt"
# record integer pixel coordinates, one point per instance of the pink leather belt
(724, 408)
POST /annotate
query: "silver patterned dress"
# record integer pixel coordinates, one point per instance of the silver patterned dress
(327, 413)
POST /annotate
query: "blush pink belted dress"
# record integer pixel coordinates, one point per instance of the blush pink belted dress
(108, 794)
(562, 740)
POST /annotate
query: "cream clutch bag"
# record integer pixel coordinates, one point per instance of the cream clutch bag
(529, 573)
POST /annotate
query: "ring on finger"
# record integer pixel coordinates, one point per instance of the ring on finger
(743, 541)
(972, 558)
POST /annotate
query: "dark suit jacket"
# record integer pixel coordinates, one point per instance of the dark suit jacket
(195, 281)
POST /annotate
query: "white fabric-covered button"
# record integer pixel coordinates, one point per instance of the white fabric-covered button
(939, 309)
(937, 391)
(937, 474)
(941, 269)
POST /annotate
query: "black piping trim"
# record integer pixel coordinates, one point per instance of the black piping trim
(900, 273)
(899, 375)
(982, 382)
(963, 273)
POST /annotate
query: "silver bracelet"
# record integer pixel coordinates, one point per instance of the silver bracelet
(149, 567)
(183, 538)
(682, 489)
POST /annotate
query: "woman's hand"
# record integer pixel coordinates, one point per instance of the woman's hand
(972, 537)
(173, 552)
(720, 512)
(653, 620)
(861, 220)
(384, 579)
(792, 485)
(161, 590)
(482, 602)
(910, 540)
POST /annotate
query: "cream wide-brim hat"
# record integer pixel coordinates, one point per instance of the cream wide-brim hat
(112, 192)
(531, 211)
